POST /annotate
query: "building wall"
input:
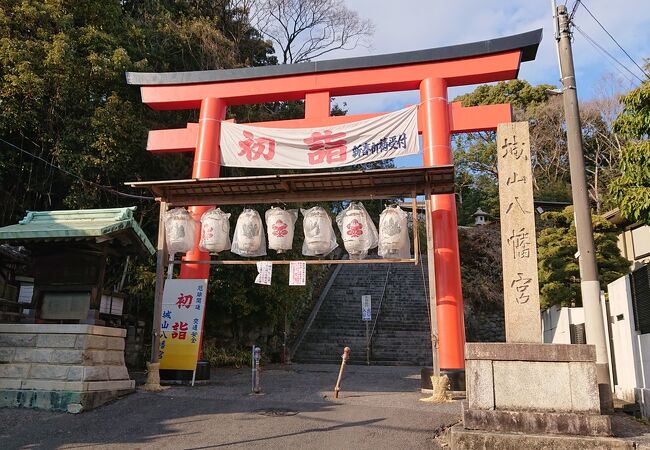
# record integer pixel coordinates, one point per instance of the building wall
(634, 244)
(556, 323)
(624, 337)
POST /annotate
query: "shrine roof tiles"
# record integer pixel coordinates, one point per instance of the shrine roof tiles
(80, 224)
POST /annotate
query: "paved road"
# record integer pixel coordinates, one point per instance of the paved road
(378, 409)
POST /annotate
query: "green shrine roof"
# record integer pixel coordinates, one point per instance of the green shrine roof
(81, 224)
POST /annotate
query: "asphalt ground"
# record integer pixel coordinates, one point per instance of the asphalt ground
(378, 408)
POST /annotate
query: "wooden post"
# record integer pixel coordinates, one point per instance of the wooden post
(161, 259)
(344, 360)
(415, 227)
(431, 270)
(153, 367)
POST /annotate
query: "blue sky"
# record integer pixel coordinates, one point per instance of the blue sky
(417, 24)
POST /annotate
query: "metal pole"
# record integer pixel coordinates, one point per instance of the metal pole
(589, 285)
(253, 369)
(257, 389)
(344, 360)
(367, 343)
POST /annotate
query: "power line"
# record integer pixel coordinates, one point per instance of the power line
(573, 10)
(612, 37)
(67, 172)
(599, 47)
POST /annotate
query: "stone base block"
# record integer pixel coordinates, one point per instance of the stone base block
(462, 439)
(63, 401)
(537, 423)
(532, 377)
(61, 367)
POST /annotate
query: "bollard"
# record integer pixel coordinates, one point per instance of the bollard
(253, 368)
(256, 356)
(344, 359)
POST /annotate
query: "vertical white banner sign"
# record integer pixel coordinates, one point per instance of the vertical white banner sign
(265, 272)
(366, 308)
(297, 273)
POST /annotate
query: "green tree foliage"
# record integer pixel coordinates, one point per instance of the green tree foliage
(559, 272)
(64, 98)
(632, 189)
(475, 153)
(72, 131)
(481, 270)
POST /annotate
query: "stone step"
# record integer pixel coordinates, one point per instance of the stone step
(400, 319)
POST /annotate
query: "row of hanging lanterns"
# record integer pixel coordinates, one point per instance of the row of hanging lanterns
(358, 231)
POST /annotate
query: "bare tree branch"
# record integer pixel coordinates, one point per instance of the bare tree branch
(306, 29)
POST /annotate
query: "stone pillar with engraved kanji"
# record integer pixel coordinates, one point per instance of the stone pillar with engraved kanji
(524, 393)
(518, 244)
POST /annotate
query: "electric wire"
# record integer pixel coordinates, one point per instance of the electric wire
(67, 172)
(599, 47)
(573, 10)
(612, 38)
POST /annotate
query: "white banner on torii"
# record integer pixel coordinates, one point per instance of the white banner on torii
(383, 137)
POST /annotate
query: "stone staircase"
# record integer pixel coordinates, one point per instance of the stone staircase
(401, 335)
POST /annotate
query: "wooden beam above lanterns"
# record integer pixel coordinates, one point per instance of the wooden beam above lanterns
(302, 188)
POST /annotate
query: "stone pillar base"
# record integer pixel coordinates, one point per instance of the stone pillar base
(533, 388)
(537, 422)
(462, 439)
(63, 401)
(61, 367)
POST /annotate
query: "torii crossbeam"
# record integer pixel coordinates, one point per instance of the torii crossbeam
(431, 71)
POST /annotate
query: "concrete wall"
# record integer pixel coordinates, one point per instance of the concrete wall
(61, 367)
(556, 323)
(634, 244)
(631, 349)
(624, 338)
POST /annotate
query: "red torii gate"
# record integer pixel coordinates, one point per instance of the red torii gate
(431, 71)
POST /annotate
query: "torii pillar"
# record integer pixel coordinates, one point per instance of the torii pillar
(431, 71)
(436, 149)
(207, 164)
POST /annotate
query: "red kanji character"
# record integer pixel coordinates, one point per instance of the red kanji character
(280, 228)
(325, 147)
(207, 232)
(184, 300)
(355, 228)
(180, 330)
(253, 147)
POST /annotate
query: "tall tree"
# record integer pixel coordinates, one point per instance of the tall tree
(632, 189)
(475, 153)
(559, 272)
(65, 102)
(307, 29)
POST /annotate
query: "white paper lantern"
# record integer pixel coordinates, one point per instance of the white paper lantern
(358, 232)
(280, 225)
(248, 239)
(393, 233)
(179, 230)
(319, 234)
(215, 231)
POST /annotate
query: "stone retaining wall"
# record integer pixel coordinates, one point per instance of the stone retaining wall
(61, 367)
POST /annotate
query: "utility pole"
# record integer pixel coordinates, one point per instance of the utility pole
(589, 285)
